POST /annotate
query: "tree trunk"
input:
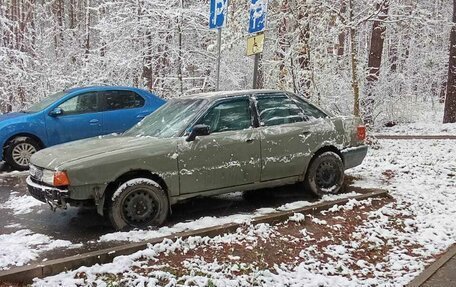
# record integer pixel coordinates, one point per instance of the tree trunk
(341, 37)
(304, 81)
(375, 59)
(87, 26)
(280, 52)
(354, 61)
(450, 102)
(180, 48)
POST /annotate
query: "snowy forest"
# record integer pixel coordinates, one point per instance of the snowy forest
(386, 60)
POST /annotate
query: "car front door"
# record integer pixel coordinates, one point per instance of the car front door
(228, 156)
(121, 110)
(79, 118)
(284, 132)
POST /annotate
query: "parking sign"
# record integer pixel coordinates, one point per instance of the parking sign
(217, 16)
(257, 19)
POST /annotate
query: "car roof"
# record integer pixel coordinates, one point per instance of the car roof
(225, 94)
(103, 88)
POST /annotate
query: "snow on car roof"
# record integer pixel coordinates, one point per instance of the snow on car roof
(222, 94)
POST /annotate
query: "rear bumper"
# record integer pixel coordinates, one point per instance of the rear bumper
(55, 197)
(354, 156)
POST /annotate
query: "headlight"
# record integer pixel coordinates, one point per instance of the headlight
(48, 177)
(61, 179)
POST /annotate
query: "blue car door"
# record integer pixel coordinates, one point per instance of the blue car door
(122, 110)
(78, 117)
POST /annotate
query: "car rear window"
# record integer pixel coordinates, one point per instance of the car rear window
(278, 110)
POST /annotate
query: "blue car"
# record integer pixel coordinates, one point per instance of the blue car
(72, 115)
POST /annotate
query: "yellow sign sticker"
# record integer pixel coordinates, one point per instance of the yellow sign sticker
(255, 44)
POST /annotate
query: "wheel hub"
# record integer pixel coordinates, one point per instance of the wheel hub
(325, 176)
(22, 153)
(139, 207)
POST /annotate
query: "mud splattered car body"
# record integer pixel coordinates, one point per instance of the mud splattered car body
(201, 145)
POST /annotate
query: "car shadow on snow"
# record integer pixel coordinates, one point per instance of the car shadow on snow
(215, 206)
(81, 225)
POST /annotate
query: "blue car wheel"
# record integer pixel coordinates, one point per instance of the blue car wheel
(18, 152)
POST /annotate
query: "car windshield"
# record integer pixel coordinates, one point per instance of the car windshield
(168, 121)
(46, 102)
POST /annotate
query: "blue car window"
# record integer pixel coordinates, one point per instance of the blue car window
(82, 104)
(118, 100)
(46, 102)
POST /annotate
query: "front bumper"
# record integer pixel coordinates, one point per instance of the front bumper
(354, 156)
(55, 197)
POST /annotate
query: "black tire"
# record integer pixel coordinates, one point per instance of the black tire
(138, 203)
(18, 152)
(325, 174)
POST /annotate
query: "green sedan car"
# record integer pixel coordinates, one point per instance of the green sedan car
(200, 145)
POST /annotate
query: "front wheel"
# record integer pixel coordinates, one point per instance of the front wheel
(325, 174)
(138, 203)
(19, 151)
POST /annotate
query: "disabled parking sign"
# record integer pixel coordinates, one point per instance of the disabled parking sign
(218, 13)
(257, 16)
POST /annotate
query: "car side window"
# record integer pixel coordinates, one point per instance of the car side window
(81, 104)
(278, 110)
(120, 100)
(308, 109)
(233, 115)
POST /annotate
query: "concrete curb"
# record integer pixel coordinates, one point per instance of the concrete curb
(416, 137)
(431, 269)
(27, 273)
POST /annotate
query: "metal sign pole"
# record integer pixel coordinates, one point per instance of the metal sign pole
(255, 71)
(219, 57)
(257, 25)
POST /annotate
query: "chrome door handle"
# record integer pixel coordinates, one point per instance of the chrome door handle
(249, 140)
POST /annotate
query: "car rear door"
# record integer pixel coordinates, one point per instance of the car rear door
(229, 156)
(122, 109)
(81, 118)
(285, 134)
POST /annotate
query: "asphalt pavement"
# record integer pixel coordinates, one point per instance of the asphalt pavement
(444, 277)
(84, 225)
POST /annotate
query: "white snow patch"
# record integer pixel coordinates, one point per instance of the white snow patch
(23, 246)
(21, 204)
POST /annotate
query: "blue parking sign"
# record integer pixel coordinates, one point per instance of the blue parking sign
(257, 13)
(218, 12)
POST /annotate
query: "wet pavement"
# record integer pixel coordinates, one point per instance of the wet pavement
(84, 225)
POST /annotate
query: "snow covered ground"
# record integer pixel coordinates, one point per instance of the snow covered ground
(20, 204)
(389, 244)
(425, 128)
(21, 247)
(426, 121)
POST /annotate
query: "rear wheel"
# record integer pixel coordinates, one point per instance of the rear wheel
(325, 174)
(19, 151)
(138, 203)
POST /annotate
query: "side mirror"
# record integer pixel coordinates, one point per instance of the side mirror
(198, 130)
(56, 112)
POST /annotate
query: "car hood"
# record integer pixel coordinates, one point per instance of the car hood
(56, 156)
(6, 117)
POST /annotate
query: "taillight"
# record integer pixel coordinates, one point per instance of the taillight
(361, 132)
(61, 178)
